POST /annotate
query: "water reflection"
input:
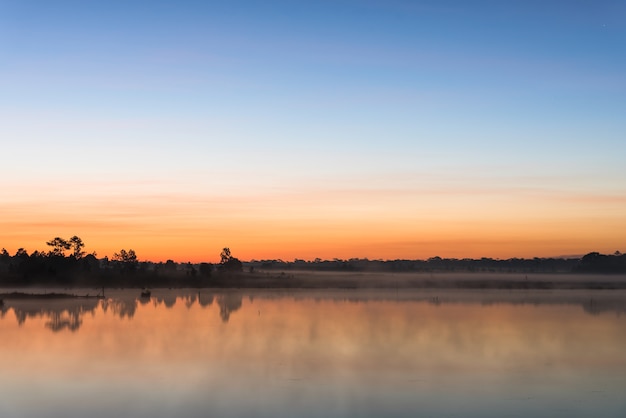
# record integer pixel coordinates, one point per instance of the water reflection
(228, 303)
(122, 308)
(316, 353)
(67, 314)
(59, 315)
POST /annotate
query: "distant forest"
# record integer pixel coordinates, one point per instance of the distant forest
(591, 263)
(67, 264)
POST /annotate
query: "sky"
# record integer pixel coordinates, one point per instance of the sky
(331, 129)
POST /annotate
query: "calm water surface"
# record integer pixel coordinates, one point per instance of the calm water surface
(316, 354)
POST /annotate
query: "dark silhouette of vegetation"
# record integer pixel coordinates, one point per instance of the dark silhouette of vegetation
(591, 263)
(127, 260)
(600, 263)
(225, 255)
(205, 269)
(126, 256)
(57, 268)
(431, 265)
(124, 269)
(77, 245)
(229, 263)
(59, 246)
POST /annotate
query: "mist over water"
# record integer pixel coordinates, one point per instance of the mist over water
(316, 353)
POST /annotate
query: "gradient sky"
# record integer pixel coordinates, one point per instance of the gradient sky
(288, 129)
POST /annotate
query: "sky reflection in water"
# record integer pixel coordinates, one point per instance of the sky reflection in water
(322, 353)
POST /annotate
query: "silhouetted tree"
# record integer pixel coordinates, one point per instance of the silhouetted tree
(59, 246)
(127, 258)
(225, 255)
(229, 263)
(599, 263)
(77, 245)
(21, 253)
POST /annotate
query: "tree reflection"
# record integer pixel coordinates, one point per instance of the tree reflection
(60, 315)
(205, 299)
(68, 314)
(169, 300)
(70, 320)
(124, 308)
(228, 303)
(189, 300)
(599, 306)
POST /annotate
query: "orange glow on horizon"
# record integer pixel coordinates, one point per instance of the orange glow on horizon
(323, 224)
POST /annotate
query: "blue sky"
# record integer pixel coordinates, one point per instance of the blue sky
(248, 96)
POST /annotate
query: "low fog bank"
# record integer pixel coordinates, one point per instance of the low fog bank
(305, 279)
(363, 280)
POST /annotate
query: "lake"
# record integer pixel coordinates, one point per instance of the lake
(316, 353)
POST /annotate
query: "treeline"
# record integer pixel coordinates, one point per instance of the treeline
(601, 263)
(67, 264)
(77, 268)
(38, 268)
(590, 263)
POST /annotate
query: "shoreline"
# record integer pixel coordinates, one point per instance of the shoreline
(346, 280)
